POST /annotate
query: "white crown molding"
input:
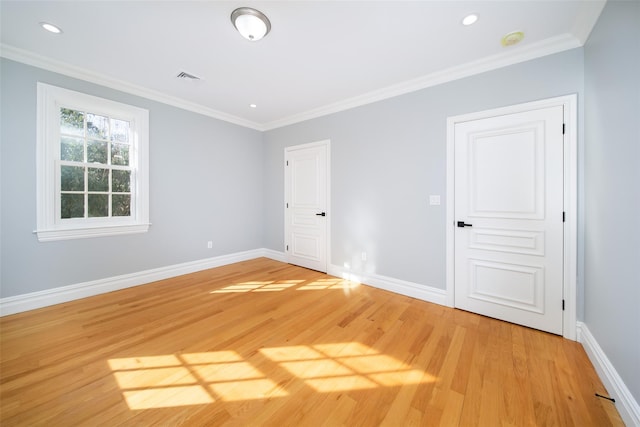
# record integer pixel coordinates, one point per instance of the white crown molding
(625, 403)
(402, 287)
(510, 57)
(40, 61)
(588, 14)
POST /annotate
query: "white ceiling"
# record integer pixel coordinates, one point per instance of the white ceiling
(320, 56)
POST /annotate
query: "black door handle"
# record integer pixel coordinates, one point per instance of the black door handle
(322, 214)
(462, 224)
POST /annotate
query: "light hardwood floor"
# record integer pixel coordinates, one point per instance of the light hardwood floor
(266, 343)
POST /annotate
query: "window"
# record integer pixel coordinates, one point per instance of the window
(92, 159)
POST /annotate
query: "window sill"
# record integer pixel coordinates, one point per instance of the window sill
(89, 232)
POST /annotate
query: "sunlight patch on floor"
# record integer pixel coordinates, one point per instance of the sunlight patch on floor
(167, 397)
(206, 377)
(345, 366)
(328, 284)
(282, 285)
(190, 379)
(257, 287)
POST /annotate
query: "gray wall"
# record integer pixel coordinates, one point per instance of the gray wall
(205, 184)
(612, 194)
(388, 157)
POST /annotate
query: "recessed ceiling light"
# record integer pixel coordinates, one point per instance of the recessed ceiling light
(51, 28)
(470, 19)
(253, 106)
(512, 38)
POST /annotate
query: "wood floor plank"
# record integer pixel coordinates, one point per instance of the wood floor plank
(265, 343)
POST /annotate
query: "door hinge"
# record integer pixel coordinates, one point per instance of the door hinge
(562, 305)
(288, 160)
(563, 128)
(287, 205)
(288, 249)
(563, 217)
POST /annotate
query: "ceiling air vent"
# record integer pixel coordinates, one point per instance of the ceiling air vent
(187, 76)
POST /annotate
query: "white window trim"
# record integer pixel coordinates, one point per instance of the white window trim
(50, 99)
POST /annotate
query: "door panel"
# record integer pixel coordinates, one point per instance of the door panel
(510, 285)
(509, 193)
(506, 172)
(306, 193)
(514, 241)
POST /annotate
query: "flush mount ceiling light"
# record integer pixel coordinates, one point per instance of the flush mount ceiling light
(251, 23)
(51, 28)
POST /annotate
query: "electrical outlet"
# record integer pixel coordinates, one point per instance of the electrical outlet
(209, 244)
(364, 256)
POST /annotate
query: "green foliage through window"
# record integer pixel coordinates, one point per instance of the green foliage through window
(95, 170)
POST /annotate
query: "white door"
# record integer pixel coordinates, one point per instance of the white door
(509, 217)
(306, 205)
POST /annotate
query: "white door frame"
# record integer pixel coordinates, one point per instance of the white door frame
(326, 143)
(569, 102)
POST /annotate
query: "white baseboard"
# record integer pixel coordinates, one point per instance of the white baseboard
(274, 255)
(33, 300)
(410, 289)
(625, 403)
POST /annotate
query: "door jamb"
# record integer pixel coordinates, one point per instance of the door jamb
(326, 143)
(569, 104)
